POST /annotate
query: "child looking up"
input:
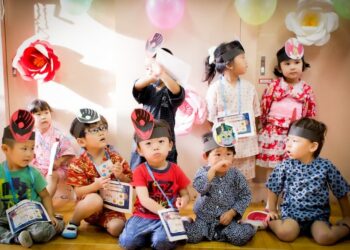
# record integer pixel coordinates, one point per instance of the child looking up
(305, 180)
(90, 129)
(224, 195)
(145, 226)
(160, 95)
(231, 95)
(21, 181)
(45, 136)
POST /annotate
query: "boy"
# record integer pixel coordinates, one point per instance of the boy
(223, 197)
(144, 227)
(161, 96)
(90, 131)
(305, 180)
(21, 181)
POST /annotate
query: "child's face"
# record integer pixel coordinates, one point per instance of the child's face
(95, 136)
(300, 148)
(238, 65)
(292, 70)
(155, 150)
(20, 154)
(42, 120)
(220, 154)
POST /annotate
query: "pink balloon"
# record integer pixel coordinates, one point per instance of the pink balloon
(165, 14)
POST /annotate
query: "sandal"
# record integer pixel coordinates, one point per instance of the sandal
(70, 231)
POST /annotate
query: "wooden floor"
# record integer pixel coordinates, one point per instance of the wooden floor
(91, 237)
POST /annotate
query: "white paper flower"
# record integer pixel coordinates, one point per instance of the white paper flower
(312, 22)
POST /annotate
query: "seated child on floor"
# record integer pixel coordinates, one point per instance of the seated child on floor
(45, 136)
(21, 181)
(90, 129)
(223, 198)
(154, 143)
(305, 179)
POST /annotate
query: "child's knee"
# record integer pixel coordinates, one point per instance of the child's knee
(42, 232)
(93, 200)
(115, 227)
(287, 234)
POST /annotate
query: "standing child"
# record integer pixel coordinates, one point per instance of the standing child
(160, 95)
(90, 129)
(231, 95)
(286, 99)
(19, 181)
(305, 179)
(145, 226)
(224, 196)
(45, 136)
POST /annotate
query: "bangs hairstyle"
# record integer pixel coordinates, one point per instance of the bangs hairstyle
(38, 105)
(219, 64)
(77, 128)
(318, 128)
(232, 149)
(282, 56)
(159, 125)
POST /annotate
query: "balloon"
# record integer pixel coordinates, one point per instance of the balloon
(165, 14)
(255, 12)
(76, 7)
(342, 7)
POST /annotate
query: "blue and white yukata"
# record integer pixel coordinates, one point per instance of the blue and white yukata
(230, 191)
(305, 189)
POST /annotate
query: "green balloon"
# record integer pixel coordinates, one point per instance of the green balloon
(342, 7)
(255, 12)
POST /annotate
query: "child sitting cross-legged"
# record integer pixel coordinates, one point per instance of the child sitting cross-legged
(19, 182)
(305, 180)
(90, 131)
(157, 181)
(224, 196)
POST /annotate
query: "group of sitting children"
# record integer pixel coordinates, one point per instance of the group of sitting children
(224, 195)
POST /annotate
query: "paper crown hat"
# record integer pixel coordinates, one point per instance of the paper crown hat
(21, 127)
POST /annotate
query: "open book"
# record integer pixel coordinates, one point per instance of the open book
(173, 224)
(24, 214)
(117, 196)
(53, 153)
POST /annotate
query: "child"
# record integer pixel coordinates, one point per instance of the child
(231, 95)
(90, 129)
(286, 99)
(45, 136)
(19, 181)
(304, 180)
(145, 227)
(161, 96)
(224, 196)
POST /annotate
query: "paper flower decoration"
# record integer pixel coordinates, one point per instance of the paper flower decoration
(312, 22)
(192, 111)
(36, 60)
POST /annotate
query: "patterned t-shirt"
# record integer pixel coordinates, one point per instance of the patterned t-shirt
(25, 186)
(171, 180)
(306, 187)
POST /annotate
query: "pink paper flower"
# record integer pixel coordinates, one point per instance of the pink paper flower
(36, 60)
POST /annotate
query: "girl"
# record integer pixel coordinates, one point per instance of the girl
(230, 95)
(305, 180)
(286, 99)
(45, 136)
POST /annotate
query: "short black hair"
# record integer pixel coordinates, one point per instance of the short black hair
(77, 128)
(157, 124)
(38, 105)
(228, 148)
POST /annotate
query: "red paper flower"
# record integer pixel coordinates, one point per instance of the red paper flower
(36, 60)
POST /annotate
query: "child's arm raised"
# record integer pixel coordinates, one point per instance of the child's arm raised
(146, 201)
(47, 203)
(169, 82)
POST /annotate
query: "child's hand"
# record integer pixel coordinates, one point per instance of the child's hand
(182, 202)
(117, 169)
(54, 223)
(273, 215)
(101, 182)
(221, 165)
(227, 217)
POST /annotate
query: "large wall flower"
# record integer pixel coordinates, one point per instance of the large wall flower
(312, 22)
(36, 60)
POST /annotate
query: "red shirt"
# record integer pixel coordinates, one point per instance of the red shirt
(172, 180)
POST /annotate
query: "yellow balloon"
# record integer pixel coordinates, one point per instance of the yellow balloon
(255, 12)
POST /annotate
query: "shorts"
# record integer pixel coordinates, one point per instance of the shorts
(103, 217)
